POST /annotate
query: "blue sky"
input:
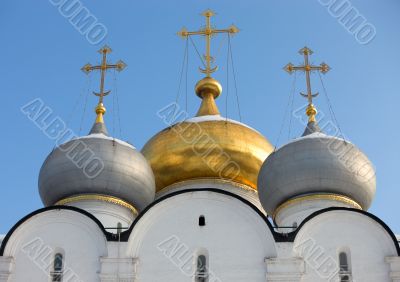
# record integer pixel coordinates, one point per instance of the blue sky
(42, 54)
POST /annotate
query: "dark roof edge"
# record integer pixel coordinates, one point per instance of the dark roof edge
(277, 236)
(124, 236)
(42, 210)
(293, 234)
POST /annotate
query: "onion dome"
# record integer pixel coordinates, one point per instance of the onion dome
(97, 166)
(317, 165)
(207, 146)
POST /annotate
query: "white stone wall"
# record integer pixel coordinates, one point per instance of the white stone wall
(166, 239)
(30, 250)
(368, 245)
(296, 212)
(241, 190)
(108, 214)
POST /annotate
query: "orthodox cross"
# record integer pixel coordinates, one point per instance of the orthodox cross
(308, 68)
(103, 67)
(208, 31)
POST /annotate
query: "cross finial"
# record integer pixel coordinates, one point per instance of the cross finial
(308, 68)
(208, 31)
(103, 67)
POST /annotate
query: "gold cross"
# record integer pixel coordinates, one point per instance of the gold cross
(208, 31)
(103, 67)
(308, 68)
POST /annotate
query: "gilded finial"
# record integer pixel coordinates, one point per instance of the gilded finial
(100, 110)
(311, 111)
(208, 88)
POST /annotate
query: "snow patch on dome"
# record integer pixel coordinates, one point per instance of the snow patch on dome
(314, 136)
(102, 136)
(218, 118)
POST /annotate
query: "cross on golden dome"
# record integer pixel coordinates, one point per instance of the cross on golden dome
(308, 68)
(208, 31)
(103, 67)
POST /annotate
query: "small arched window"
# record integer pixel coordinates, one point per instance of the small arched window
(58, 266)
(344, 267)
(202, 220)
(201, 269)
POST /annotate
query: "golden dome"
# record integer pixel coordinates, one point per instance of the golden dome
(207, 146)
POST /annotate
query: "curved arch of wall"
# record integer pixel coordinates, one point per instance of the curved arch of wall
(33, 244)
(235, 237)
(323, 236)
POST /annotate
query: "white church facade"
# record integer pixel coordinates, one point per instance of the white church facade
(207, 199)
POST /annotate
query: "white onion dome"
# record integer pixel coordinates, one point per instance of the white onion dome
(97, 166)
(316, 164)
